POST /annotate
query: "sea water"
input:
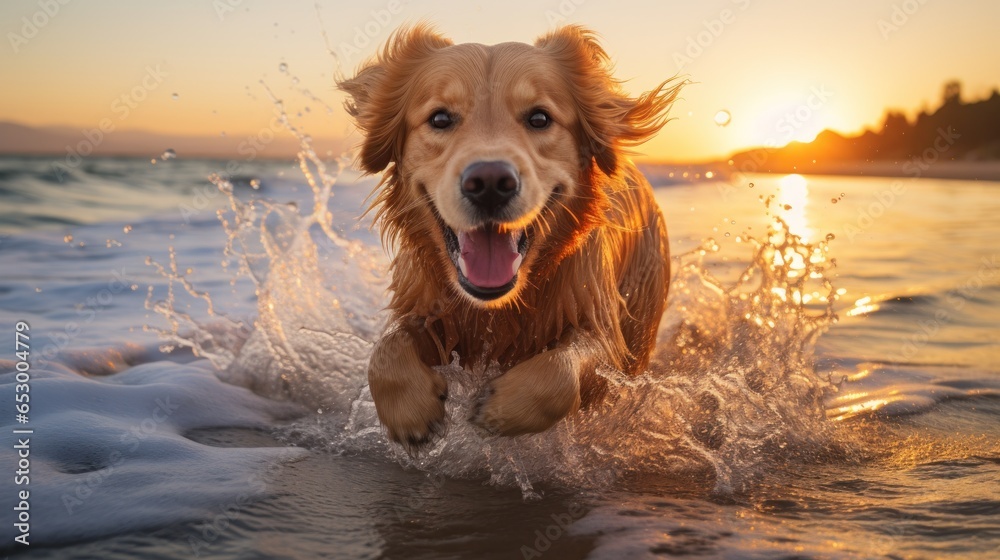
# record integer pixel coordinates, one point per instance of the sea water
(824, 384)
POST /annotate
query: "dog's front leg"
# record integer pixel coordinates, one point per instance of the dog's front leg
(540, 391)
(409, 396)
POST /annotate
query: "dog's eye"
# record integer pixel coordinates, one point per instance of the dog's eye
(440, 120)
(539, 119)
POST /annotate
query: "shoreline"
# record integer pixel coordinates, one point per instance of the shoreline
(669, 172)
(953, 170)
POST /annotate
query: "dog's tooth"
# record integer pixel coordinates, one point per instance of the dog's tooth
(513, 237)
(461, 266)
(516, 265)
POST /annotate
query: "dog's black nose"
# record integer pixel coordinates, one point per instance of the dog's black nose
(489, 185)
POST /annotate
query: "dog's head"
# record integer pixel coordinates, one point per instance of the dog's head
(493, 154)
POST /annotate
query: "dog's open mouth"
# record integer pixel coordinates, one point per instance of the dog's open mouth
(487, 258)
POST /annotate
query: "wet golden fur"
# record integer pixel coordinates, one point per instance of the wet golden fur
(593, 284)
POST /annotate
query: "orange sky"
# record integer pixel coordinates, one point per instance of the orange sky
(783, 69)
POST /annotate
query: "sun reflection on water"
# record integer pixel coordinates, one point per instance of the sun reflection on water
(793, 197)
(863, 306)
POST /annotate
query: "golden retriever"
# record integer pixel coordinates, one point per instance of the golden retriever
(522, 233)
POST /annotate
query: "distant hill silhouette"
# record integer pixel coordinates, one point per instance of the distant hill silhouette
(68, 142)
(955, 131)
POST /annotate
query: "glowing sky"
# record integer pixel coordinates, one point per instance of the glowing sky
(783, 69)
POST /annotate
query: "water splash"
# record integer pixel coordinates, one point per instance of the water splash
(731, 388)
(307, 341)
(723, 118)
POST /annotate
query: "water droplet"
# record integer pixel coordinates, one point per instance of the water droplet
(788, 207)
(283, 67)
(169, 153)
(175, 96)
(222, 134)
(127, 228)
(751, 185)
(255, 184)
(830, 237)
(834, 200)
(295, 81)
(727, 234)
(723, 118)
(842, 195)
(67, 238)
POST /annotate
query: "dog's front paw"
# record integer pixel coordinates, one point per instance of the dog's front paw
(412, 407)
(529, 398)
(409, 396)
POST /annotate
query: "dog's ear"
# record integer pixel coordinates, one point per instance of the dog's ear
(378, 93)
(610, 121)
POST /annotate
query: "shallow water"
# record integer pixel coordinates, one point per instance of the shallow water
(198, 379)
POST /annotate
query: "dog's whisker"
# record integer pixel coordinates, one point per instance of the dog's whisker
(569, 211)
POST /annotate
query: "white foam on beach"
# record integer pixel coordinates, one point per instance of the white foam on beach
(109, 454)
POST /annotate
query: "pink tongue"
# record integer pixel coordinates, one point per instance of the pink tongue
(489, 259)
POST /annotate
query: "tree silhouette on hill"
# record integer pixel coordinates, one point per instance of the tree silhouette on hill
(955, 131)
